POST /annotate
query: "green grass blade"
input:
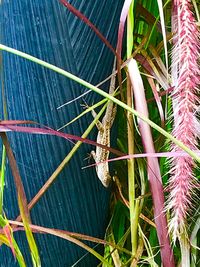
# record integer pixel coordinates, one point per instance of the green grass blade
(104, 94)
(4, 239)
(18, 253)
(32, 245)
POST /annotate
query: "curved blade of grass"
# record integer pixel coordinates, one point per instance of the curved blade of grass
(160, 77)
(131, 147)
(147, 245)
(72, 238)
(89, 109)
(150, 67)
(153, 169)
(9, 240)
(152, 155)
(22, 202)
(123, 17)
(162, 20)
(19, 257)
(149, 17)
(49, 131)
(145, 155)
(130, 29)
(2, 178)
(144, 62)
(5, 116)
(11, 122)
(194, 242)
(158, 60)
(104, 94)
(8, 233)
(82, 17)
(37, 229)
(31, 241)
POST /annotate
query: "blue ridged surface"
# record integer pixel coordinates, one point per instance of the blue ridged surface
(76, 201)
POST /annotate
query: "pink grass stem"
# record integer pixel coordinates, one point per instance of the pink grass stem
(154, 175)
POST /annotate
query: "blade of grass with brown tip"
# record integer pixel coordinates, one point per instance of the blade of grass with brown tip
(7, 230)
(72, 238)
(121, 28)
(22, 201)
(49, 131)
(19, 257)
(123, 17)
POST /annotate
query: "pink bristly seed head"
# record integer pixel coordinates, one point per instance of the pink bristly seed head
(186, 79)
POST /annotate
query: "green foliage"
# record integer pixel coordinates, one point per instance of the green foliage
(131, 238)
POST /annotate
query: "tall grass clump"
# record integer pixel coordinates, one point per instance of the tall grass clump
(137, 233)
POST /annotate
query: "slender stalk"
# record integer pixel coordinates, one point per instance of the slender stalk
(2, 178)
(130, 127)
(139, 252)
(22, 202)
(131, 173)
(5, 114)
(153, 169)
(193, 241)
(134, 203)
(185, 249)
(135, 227)
(114, 252)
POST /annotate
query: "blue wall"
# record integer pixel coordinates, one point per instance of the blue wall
(76, 201)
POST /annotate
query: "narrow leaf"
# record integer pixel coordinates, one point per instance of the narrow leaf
(22, 201)
(154, 175)
(82, 17)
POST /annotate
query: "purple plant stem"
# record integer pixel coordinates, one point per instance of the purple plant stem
(123, 18)
(153, 169)
(185, 79)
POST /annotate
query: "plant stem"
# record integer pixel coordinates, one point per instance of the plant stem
(131, 176)
(153, 169)
(3, 160)
(185, 249)
(130, 128)
(2, 178)
(193, 241)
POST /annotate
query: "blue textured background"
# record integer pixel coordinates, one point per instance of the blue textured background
(76, 201)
